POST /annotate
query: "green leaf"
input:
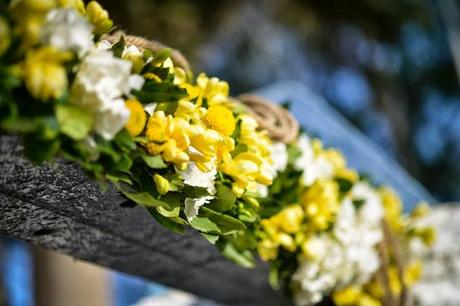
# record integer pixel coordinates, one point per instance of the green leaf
(74, 121)
(117, 178)
(242, 258)
(240, 148)
(211, 238)
(161, 56)
(344, 184)
(119, 47)
(38, 150)
(226, 223)
(225, 198)
(173, 224)
(160, 92)
(154, 162)
(169, 213)
(145, 199)
(125, 140)
(358, 203)
(204, 225)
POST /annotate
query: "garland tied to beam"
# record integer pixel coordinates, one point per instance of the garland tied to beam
(129, 111)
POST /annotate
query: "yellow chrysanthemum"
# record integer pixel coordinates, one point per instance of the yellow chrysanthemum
(321, 204)
(289, 219)
(213, 90)
(220, 119)
(44, 75)
(278, 229)
(137, 118)
(168, 136)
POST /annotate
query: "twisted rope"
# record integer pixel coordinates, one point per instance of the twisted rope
(278, 121)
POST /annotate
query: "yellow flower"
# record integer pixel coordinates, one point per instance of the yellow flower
(289, 219)
(220, 119)
(161, 184)
(137, 118)
(98, 17)
(412, 273)
(394, 282)
(267, 249)
(393, 209)
(78, 5)
(321, 204)
(213, 90)
(427, 234)
(189, 111)
(367, 300)
(5, 35)
(347, 297)
(44, 76)
(168, 136)
(29, 16)
(420, 211)
(277, 229)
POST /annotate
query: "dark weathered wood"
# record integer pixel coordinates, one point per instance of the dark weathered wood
(56, 206)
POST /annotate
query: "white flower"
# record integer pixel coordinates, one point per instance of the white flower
(313, 168)
(99, 86)
(150, 108)
(131, 50)
(192, 205)
(193, 176)
(319, 274)
(103, 45)
(65, 29)
(358, 229)
(279, 157)
(262, 190)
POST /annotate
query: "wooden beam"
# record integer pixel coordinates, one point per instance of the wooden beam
(56, 206)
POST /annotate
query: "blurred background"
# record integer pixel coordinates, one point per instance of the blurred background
(389, 66)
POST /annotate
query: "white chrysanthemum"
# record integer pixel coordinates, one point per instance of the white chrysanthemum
(99, 86)
(192, 205)
(193, 176)
(313, 167)
(279, 157)
(319, 274)
(359, 230)
(65, 29)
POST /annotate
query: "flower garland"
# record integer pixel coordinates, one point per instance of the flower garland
(192, 156)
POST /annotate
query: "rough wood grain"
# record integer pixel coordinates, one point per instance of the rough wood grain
(56, 206)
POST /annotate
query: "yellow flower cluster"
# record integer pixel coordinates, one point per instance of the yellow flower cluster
(44, 75)
(29, 16)
(278, 231)
(321, 203)
(43, 70)
(252, 166)
(204, 135)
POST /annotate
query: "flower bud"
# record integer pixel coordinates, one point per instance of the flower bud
(161, 184)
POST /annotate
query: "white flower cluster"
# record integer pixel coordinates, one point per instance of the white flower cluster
(313, 167)
(102, 79)
(346, 254)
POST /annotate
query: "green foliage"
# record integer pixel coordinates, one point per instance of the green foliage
(74, 121)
